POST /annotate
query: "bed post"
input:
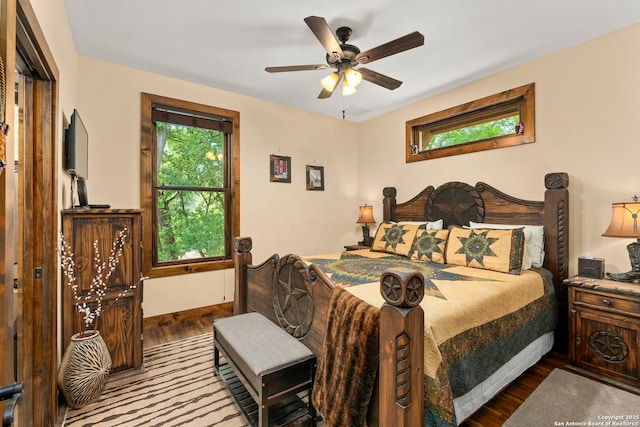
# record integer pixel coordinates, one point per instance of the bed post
(556, 238)
(401, 348)
(241, 258)
(388, 202)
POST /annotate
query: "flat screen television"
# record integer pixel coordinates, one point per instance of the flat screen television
(77, 148)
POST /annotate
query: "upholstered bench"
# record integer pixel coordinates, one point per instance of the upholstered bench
(271, 364)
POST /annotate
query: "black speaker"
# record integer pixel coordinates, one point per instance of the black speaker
(82, 192)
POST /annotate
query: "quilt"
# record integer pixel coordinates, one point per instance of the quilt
(475, 319)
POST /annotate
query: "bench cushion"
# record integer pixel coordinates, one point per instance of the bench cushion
(263, 345)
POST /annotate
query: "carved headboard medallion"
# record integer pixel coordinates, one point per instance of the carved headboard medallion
(456, 203)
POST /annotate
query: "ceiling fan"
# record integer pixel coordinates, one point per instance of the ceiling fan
(344, 57)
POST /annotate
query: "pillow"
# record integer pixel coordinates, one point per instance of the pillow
(534, 248)
(491, 249)
(526, 258)
(429, 225)
(429, 245)
(394, 238)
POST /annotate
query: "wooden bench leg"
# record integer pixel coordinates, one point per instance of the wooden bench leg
(216, 359)
(312, 409)
(263, 420)
(312, 412)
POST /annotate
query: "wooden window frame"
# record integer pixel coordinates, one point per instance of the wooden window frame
(522, 98)
(230, 125)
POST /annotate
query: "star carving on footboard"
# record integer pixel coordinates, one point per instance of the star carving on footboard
(293, 299)
(395, 294)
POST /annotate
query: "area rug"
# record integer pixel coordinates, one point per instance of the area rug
(567, 399)
(178, 388)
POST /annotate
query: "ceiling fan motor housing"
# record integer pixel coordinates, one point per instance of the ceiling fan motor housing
(349, 56)
(349, 51)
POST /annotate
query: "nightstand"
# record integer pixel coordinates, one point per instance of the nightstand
(604, 331)
(355, 247)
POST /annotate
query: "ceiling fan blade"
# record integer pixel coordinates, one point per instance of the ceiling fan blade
(295, 68)
(407, 42)
(327, 93)
(322, 31)
(379, 79)
(324, 94)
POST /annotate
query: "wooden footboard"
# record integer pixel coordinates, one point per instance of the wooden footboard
(296, 297)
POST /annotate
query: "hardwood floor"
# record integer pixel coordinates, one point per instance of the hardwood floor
(494, 413)
(163, 334)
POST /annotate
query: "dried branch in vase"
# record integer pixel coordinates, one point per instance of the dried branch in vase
(89, 304)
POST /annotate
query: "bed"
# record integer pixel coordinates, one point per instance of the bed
(307, 297)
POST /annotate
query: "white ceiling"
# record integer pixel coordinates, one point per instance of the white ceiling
(227, 44)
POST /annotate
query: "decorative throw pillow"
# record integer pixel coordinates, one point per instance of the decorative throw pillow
(491, 249)
(429, 245)
(534, 246)
(394, 238)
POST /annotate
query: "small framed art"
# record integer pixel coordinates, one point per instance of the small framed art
(279, 168)
(315, 178)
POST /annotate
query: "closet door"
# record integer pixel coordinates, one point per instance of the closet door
(28, 217)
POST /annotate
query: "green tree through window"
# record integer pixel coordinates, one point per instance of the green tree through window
(189, 186)
(491, 129)
(190, 192)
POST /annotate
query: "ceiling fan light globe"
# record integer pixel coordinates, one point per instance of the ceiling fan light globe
(347, 89)
(353, 77)
(329, 82)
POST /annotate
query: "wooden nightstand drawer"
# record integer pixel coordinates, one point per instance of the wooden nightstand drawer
(607, 302)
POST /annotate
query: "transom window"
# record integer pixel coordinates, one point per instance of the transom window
(501, 120)
(189, 185)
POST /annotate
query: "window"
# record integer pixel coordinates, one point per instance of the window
(501, 120)
(189, 186)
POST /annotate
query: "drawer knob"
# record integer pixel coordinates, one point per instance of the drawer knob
(606, 302)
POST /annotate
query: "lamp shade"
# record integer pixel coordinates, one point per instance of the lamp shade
(353, 77)
(329, 82)
(624, 220)
(347, 89)
(366, 215)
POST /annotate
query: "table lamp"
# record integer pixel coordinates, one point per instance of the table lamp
(624, 223)
(366, 218)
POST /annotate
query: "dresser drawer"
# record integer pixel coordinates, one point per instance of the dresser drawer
(607, 302)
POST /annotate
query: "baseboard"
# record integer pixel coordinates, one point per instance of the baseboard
(195, 314)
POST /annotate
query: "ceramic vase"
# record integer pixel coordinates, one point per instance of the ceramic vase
(84, 369)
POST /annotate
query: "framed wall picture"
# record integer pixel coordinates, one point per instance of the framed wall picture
(279, 168)
(315, 178)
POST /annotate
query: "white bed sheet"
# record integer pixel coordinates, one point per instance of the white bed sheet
(470, 402)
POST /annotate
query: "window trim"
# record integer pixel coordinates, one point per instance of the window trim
(147, 157)
(466, 115)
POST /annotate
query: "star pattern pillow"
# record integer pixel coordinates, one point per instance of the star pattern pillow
(394, 238)
(429, 245)
(491, 249)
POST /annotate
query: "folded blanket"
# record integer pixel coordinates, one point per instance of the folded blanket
(348, 365)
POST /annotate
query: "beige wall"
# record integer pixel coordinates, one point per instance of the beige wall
(277, 216)
(586, 112)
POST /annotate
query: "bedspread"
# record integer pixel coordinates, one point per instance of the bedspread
(475, 319)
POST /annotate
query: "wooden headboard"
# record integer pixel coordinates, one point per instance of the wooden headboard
(457, 203)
